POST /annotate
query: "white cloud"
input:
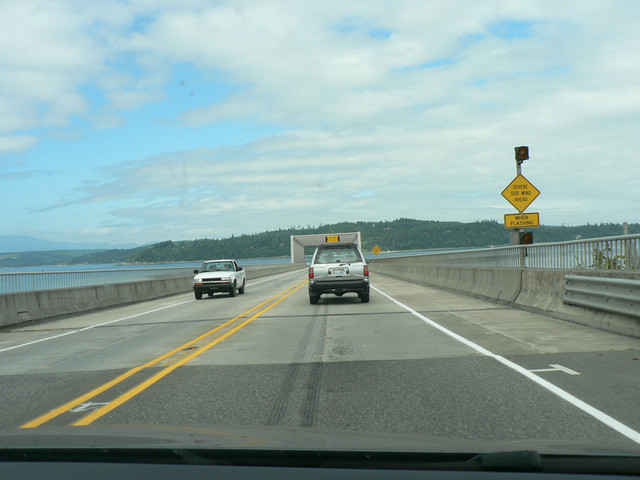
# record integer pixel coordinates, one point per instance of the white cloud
(385, 109)
(16, 143)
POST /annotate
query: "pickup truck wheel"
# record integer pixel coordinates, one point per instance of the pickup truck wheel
(241, 289)
(232, 292)
(198, 295)
(364, 298)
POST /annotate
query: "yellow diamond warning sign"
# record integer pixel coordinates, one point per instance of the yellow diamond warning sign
(521, 220)
(520, 193)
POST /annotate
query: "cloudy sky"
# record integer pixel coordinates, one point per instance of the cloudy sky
(140, 120)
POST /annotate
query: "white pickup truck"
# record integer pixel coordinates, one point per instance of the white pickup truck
(219, 276)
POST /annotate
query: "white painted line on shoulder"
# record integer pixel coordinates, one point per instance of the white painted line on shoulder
(556, 368)
(575, 401)
(564, 369)
(133, 316)
(38, 341)
(92, 326)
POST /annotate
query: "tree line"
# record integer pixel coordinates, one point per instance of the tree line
(400, 234)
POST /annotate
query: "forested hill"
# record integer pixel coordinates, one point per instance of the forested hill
(401, 234)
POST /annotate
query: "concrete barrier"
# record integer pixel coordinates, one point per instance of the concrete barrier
(16, 308)
(534, 290)
(496, 285)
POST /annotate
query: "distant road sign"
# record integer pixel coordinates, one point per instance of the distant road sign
(376, 250)
(520, 193)
(332, 238)
(521, 220)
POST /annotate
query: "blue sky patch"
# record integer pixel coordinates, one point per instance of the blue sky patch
(442, 62)
(379, 33)
(468, 40)
(510, 29)
(140, 23)
(350, 26)
(364, 194)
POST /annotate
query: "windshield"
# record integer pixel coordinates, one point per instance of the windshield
(466, 169)
(217, 267)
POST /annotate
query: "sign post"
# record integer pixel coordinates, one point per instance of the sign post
(520, 193)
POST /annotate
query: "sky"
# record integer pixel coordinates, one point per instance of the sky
(141, 121)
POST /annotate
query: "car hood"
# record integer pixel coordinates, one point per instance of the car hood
(282, 438)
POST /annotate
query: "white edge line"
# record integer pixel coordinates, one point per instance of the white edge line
(37, 341)
(133, 316)
(585, 407)
(123, 318)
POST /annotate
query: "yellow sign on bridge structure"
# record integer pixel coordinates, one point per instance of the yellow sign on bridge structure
(521, 220)
(520, 193)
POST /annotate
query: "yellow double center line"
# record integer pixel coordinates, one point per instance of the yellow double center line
(270, 302)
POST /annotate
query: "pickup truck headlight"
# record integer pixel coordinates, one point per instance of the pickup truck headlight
(226, 279)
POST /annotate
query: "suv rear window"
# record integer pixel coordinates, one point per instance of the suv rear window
(338, 255)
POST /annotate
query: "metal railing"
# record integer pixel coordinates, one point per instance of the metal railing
(607, 253)
(26, 282)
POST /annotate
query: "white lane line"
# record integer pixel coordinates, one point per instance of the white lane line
(125, 318)
(585, 407)
(92, 326)
(556, 368)
(133, 316)
(37, 341)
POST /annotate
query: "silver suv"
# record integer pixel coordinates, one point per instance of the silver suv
(338, 268)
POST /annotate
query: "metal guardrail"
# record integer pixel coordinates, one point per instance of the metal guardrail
(614, 295)
(27, 282)
(607, 253)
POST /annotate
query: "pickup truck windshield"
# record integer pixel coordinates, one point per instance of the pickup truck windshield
(217, 267)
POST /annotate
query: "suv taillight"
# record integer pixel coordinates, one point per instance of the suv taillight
(310, 272)
(366, 270)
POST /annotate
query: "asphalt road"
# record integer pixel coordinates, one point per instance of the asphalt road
(414, 360)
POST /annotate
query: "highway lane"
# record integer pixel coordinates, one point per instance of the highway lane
(338, 365)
